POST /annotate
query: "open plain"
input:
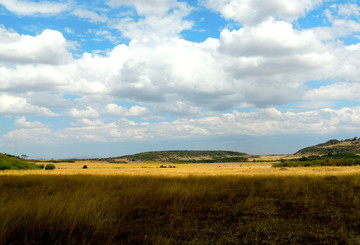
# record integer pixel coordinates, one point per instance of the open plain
(168, 169)
(167, 203)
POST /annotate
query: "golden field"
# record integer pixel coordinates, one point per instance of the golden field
(185, 169)
(141, 203)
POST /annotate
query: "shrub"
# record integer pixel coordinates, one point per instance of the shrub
(85, 166)
(5, 165)
(50, 167)
(41, 166)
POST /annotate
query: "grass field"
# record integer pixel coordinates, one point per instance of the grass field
(183, 170)
(232, 203)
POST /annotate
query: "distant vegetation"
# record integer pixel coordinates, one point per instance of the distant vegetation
(188, 156)
(333, 146)
(50, 167)
(339, 159)
(216, 160)
(115, 161)
(63, 161)
(10, 162)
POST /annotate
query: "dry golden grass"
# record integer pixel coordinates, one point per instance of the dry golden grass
(83, 209)
(232, 203)
(183, 170)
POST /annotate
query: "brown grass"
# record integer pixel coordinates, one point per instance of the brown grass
(193, 204)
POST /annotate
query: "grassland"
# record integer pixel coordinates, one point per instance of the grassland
(139, 202)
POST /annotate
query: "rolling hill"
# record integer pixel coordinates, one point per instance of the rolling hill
(333, 146)
(187, 156)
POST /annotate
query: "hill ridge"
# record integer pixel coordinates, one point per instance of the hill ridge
(333, 146)
(182, 155)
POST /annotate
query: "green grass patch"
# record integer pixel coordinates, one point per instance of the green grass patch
(9, 162)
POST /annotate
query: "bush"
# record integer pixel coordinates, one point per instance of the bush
(5, 165)
(50, 167)
(41, 166)
(85, 166)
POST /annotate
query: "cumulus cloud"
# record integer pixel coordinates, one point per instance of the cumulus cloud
(334, 92)
(32, 136)
(89, 112)
(145, 7)
(24, 7)
(265, 63)
(161, 19)
(250, 12)
(180, 77)
(262, 122)
(270, 38)
(343, 20)
(49, 47)
(12, 105)
(348, 9)
(87, 14)
(134, 111)
(22, 122)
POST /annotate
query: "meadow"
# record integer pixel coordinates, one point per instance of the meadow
(225, 203)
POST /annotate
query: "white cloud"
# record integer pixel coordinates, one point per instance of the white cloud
(333, 92)
(353, 47)
(92, 16)
(262, 65)
(183, 78)
(262, 122)
(270, 38)
(33, 136)
(343, 20)
(84, 122)
(22, 122)
(89, 112)
(134, 111)
(146, 7)
(162, 19)
(12, 105)
(348, 9)
(250, 12)
(69, 30)
(24, 7)
(49, 47)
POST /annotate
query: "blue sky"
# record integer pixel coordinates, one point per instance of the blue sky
(115, 77)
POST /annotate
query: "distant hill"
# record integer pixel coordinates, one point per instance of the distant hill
(187, 156)
(333, 146)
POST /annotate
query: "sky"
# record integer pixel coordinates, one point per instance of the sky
(114, 77)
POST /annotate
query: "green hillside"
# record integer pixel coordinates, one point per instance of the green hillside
(9, 162)
(333, 146)
(188, 156)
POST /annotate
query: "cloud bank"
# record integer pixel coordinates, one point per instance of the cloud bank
(268, 75)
